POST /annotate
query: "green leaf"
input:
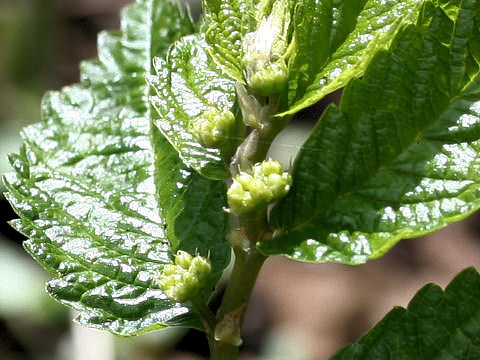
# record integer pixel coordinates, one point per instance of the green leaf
(87, 186)
(436, 325)
(227, 23)
(331, 42)
(189, 84)
(334, 42)
(193, 209)
(400, 157)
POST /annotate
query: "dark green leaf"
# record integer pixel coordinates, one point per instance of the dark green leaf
(436, 325)
(87, 187)
(189, 84)
(400, 157)
(193, 209)
(335, 40)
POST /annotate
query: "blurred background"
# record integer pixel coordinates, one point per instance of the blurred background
(298, 311)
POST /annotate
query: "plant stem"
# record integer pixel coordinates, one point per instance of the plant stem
(223, 351)
(231, 313)
(226, 339)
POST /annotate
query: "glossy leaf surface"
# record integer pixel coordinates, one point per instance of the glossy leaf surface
(188, 84)
(436, 325)
(192, 206)
(87, 187)
(400, 157)
(227, 23)
(334, 42)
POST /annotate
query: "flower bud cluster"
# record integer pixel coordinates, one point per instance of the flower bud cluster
(264, 52)
(214, 127)
(182, 280)
(266, 183)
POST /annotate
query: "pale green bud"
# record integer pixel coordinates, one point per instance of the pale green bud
(250, 192)
(239, 199)
(267, 183)
(213, 127)
(269, 80)
(269, 167)
(244, 180)
(254, 185)
(167, 282)
(169, 269)
(237, 196)
(182, 280)
(259, 190)
(201, 268)
(265, 51)
(179, 293)
(183, 259)
(190, 281)
(279, 184)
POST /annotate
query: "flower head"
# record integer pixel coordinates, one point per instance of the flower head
(266, 183)
(185, 277)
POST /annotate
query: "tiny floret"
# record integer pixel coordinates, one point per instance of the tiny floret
(266, 183)
(182, 280)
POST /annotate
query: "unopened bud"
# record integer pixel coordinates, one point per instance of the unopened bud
(213, 127)
(190, 281)
(267, 183)
(269, 80)
(269, 167)
(183, 259)
(182, 280)
(169, 269)
(279, 184)
(240, 199)
(201, 268)
(265, 51)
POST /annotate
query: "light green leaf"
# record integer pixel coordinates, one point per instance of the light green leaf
(188, 85)
(334, 42)
(87, 187)
(227, 23)
(400, 157)
(436, 325)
